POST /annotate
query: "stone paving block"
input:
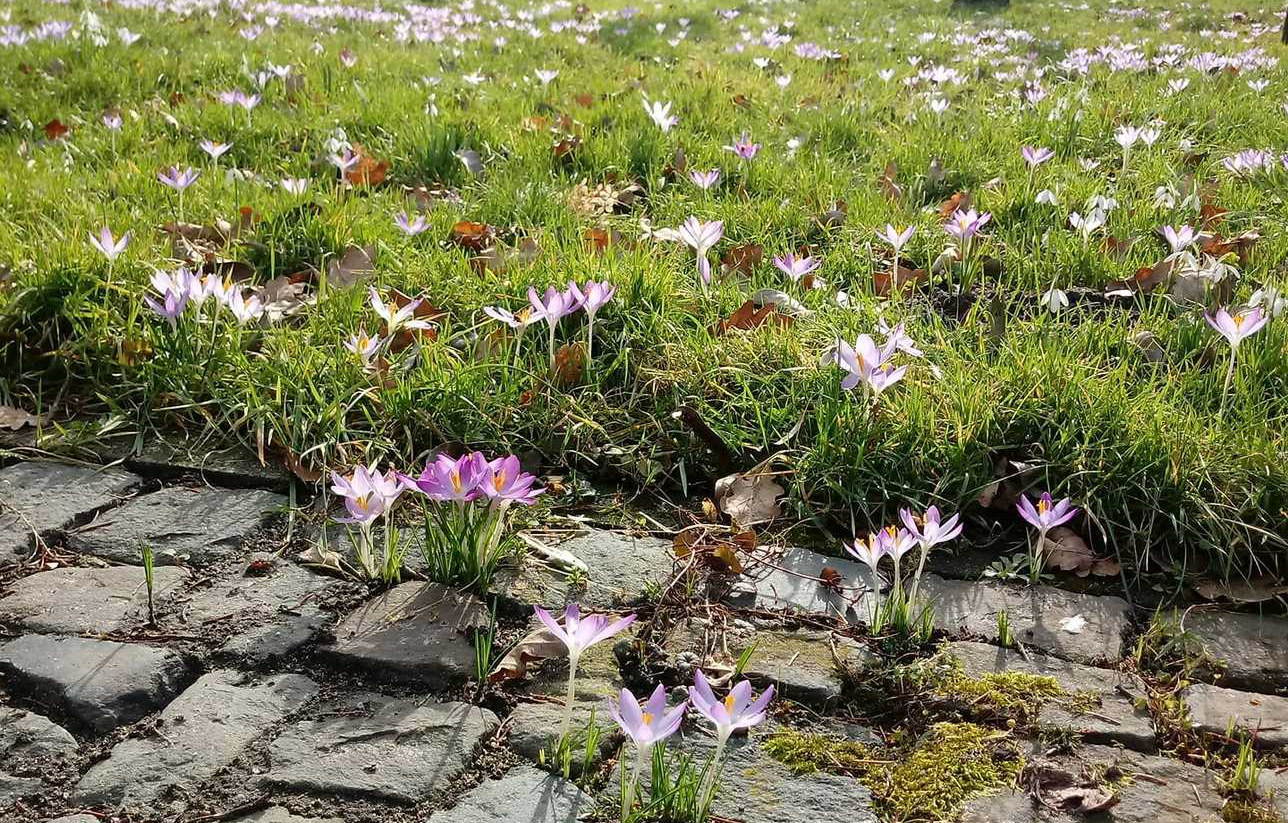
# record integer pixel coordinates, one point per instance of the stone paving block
(234, 466)
(30, 737)
(76, 818)
(198, 525)
(1166, 791)
(204, 730)
(791, 583)
(1078, 627)
(621, 570)
(101, 683)
(415, 633)
(83, 600)
(802, 665)
(45, 497)
(1251, 649)
(1117, 718)
(397, 750)
(14, 788)
(523, 795)
(281, 635)
(1217, 710)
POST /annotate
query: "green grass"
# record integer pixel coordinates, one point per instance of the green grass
(1168, 476)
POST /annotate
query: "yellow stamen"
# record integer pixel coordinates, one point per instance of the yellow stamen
(648, 719)
(456, 481)
(1043, 506)
(728, 701)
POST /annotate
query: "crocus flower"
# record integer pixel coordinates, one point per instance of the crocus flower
(411, 227)
(295, 185)
(700, 237)
(1044, 517)
(897, 239)
(578, 634)
(518, 322)
(172, 304)
(965, 224)
(705, 179)
(929, 531)
(554, 307)
(215, 149)
(592, 298)
(504, 482)
(744, 148)
(364, 346)
(870, 553)
(797, 267)
(110, 247)
(1035, 156)
(660, 113)
(1086, 225)
(1178, 237)
(367, 494)
(178, 180)
(868, 365)
(646, 726)
(740, 709)
(1046, 197)
(1236, 328)
(450, 479)
(396, 318)
(899, 338)
(242, 309)
(112, 120)
(546, 76)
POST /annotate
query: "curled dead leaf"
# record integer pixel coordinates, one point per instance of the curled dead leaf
(883, 286)
(537, 646)
(750, 498)
(12, 418)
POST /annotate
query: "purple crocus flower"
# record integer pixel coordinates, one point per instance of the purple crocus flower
(868, 365)
(450, 479)
(646, 726)
(178, 180)
(172, 304)
(411, 227)
(797, 267)
(738, 710)
(504, 482)
(929, 531)
(744, 148)
(1046, 515)
(592, 298)
(1035, 156)
(705, 179)
(555, 306)
(367, 494)
(578, 634)
(396, 318)
(965, 224)
(1178, 237)
(215, 149)
(364, 346)
(110, 247)
(1236, 328)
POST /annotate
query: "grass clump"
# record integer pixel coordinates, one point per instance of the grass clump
(926, 780)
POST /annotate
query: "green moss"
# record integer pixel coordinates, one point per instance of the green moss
(1249, 811)
(1013, 694)
(926, 780)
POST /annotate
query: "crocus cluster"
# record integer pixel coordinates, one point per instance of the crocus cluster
(181, 288)
(554, 306)
(368, 496)
(870, 366)
(920, 531)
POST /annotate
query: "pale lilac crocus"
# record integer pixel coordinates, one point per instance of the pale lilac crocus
(368, 495)
(579, 633)
(699, 236)
(965, 224)
(363, 346)
(660, 114)
(171, 305)
(1044, 516)
(1035, 156)
(896, 543)
(214, 148)
(744, 148)
(929, 531)
(245, 310)
(740, 709)
(110, 247)
(646, 726)
(409, 226)
(179, 181)
(897, 239)
(592, 298)
(1178, 237)
(705, 179)
(797, 267)
(555, 306)
(867, 365)
(1236, 328)
(868, 552)
(295, 185)
(396, 318)
(519, 322)
(1126, 137)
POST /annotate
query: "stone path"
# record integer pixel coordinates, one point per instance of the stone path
(261, 675)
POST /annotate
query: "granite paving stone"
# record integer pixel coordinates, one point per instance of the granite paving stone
(1216, 710)
(1118, 717)
(421, 634)
(85, 600)
(43, 497)
(102, 683)
(1251, 649)
(1079, 627)
(196, 526)
(199, 733)
(791, 582)
(397, 749)
(523, 795)
(621, 570)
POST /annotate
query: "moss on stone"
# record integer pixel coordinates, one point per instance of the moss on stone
(925, 780)
(1005, 693)
(1238, 810)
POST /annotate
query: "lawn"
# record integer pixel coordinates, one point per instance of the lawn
(459, 155)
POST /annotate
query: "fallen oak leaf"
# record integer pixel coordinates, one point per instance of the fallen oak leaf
(570, 362)
(13, 418)
(743, 259)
